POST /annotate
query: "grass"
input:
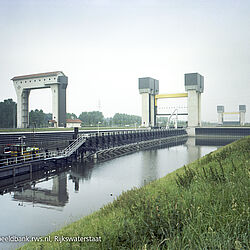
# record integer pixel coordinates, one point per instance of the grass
(203, 205)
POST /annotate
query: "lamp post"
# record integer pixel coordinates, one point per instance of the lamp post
(99, 128)
(22, 143)
(34, 126)
(135, 125)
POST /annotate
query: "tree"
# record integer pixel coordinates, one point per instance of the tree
(108, 122)
(91, 118)
(162, 121)
(8, 111)
(71, 116)
(37, 118)
(125, 119)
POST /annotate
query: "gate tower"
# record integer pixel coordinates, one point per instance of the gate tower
(56, 81)
(148, 88)
(194, 85)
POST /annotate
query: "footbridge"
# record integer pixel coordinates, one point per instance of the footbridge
(90, 146)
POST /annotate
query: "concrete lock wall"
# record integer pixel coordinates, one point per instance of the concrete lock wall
(57, 81)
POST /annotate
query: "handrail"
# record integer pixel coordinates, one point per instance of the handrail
(27, 158)
(50, 154)
(74, 145)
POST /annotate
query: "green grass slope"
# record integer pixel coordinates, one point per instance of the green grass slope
(204, 205)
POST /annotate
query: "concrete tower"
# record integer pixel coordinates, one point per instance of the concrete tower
(220, 111)
(56, 81)
(242, 110)
(148, 88)
(194, 85)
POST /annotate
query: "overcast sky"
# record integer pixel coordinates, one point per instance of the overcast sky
(104, 46)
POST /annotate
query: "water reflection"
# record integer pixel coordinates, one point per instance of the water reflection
(56, 196)
(214, 141)
(149, 170)
(150, 160)
(194, 152)
(79, 173)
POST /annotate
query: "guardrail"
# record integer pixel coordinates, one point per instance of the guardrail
(74, 146)
(27, 158)
(68, 151)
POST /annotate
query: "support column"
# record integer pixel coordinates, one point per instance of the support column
(19, 109)
(220, 111)
(199, 119)
(148, 88)
(242, 110)
(145, 97)
(23, 108)
(194, 85)
(152, 111)
(242, 118)
(220, 118)
(194, 108)
(55, 106)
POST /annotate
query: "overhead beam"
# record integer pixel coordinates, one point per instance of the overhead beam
(164, 96)
(176, 95)
(170, 114)
(231, 113)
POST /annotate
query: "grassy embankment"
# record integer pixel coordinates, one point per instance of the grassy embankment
(203, 205)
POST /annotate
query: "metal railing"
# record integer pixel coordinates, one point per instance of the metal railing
(73, 146)
(68, 151)
(27, 158)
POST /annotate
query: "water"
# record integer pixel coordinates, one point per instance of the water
(50, 202)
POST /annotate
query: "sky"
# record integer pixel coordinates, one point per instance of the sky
(104, 46)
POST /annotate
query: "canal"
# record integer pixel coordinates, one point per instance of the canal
(38, 205)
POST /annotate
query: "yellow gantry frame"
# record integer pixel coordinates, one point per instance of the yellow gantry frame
(177, 95)
(231, 113)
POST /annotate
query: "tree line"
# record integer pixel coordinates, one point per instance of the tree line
(95, 118)
(8, 111)
(37, 118)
